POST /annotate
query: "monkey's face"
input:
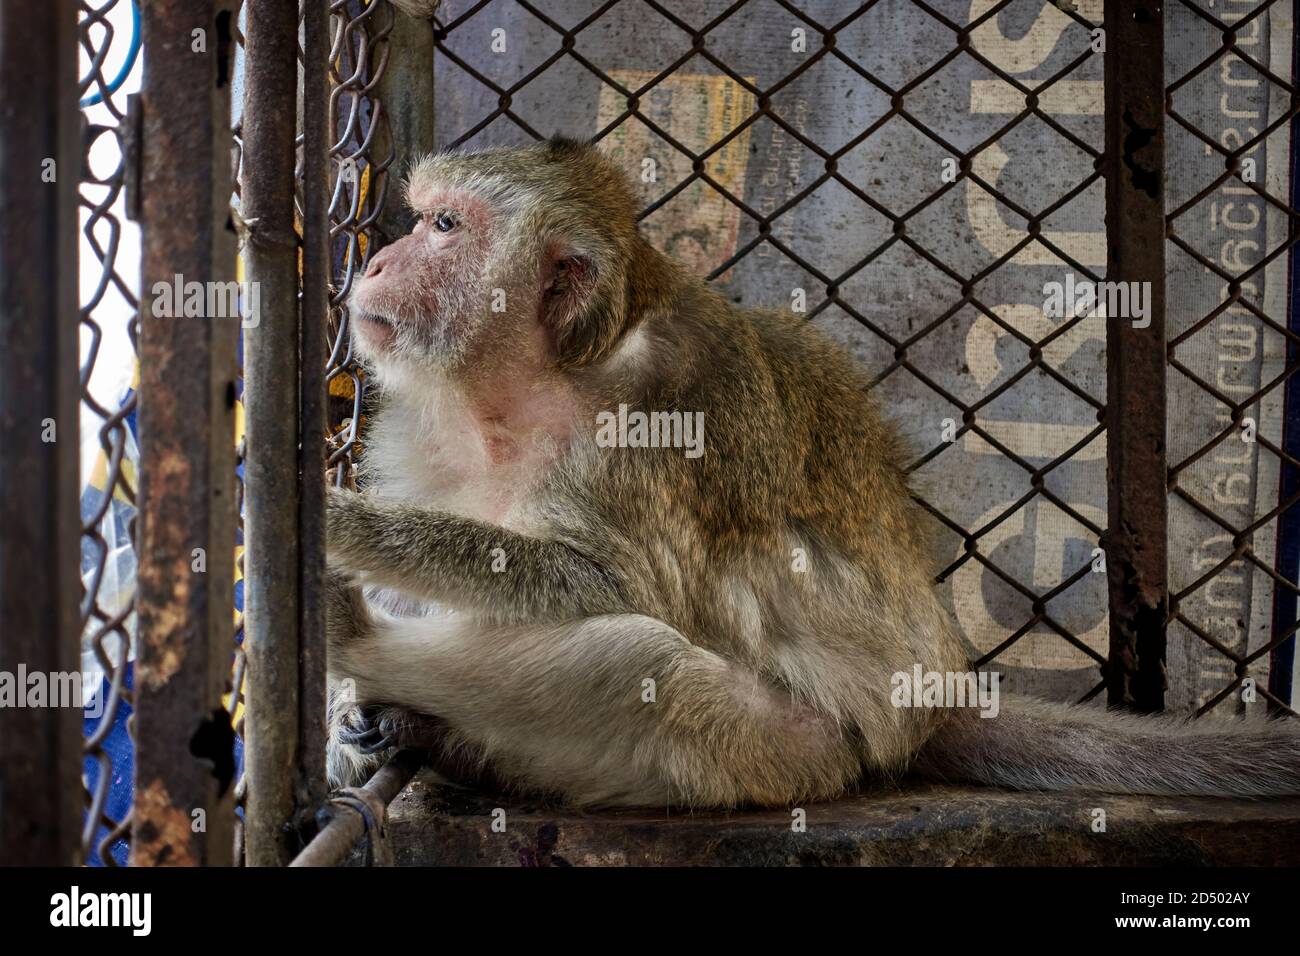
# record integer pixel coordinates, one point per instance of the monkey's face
(520, 255)
(426, 296)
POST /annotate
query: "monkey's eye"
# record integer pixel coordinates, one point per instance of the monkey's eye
(444, 221)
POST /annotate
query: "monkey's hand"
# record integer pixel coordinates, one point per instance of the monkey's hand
(465, 563)
(348, 522)
(347, 618)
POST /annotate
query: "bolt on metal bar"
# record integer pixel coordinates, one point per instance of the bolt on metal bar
(185, 758)
(348, 824)
(1137, 474)
(273, 554)
(40, 746)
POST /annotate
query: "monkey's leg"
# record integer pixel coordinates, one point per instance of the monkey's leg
(359, 738)
(467, 563)
(618, 709)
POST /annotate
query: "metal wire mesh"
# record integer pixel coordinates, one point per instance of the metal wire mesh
(109, 499)
(1227, 460)
(1060, 611)
(108, 606)
(360, 173)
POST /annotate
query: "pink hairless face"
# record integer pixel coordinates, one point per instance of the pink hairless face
(424, 295)
(500, 262)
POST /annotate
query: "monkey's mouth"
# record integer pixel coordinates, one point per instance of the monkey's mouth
(376, 328)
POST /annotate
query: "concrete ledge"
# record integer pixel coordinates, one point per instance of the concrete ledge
(431, 824)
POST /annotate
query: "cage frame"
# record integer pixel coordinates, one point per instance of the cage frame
(288, 217)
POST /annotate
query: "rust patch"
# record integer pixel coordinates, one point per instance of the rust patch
(165, 637)
(163, 833)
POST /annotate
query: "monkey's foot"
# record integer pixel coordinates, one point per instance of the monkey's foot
(370, 729)
(364, 736)
(374, 728)
(361, 739)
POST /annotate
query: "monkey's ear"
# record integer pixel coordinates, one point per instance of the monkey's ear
(585, 303)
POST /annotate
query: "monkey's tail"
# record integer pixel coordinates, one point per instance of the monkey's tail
(1036, 745)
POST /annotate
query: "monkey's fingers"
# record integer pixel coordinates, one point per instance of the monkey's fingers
(361, 730)
(368, 741)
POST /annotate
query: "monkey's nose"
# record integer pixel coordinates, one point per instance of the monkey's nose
(374, 267)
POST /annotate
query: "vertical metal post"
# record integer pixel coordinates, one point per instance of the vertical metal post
(40, 583)
(1137, 473)
(313, 400)
(272, 557)
(406, 90)
(183, 809)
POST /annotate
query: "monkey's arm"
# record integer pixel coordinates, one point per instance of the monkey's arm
(467, 563)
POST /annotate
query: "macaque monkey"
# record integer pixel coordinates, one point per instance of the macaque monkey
(614, 625)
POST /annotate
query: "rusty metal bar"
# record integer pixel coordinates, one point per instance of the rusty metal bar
(40, 746)
(272, 556)
(410, 135)
(1136, 539)
(183, 803)
(348, 824)
(314, 354)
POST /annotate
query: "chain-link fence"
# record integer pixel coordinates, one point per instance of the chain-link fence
(931, 183)
(822, 157)
(110, 323)
(1230, 228)
(919, 203)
